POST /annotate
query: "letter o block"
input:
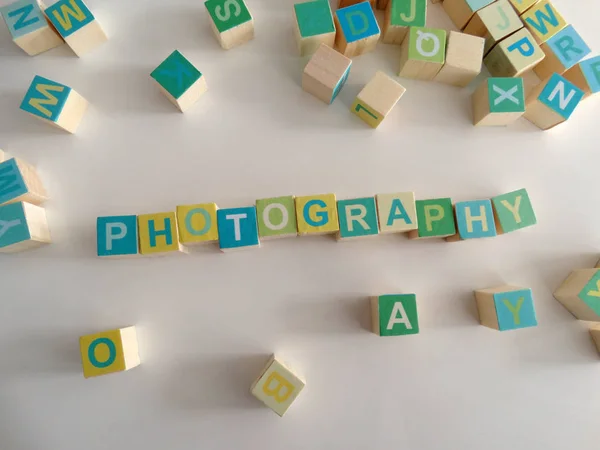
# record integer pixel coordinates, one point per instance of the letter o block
(586, 76)
(109, 352)
(394, 315)
(563, 50)
(580, 294)
(423, 53)
(197, 224)
(498, 102)
(357, 29)
(514, 55)
(22, 227)
(317, 214)
(276, 217)
(506, 308)
(231, 22)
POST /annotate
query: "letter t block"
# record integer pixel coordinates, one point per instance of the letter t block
(231, 22)
(506, 308)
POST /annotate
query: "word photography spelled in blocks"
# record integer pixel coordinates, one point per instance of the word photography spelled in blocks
(313, 26)
(580, 294)
(394, 315)
(23, 226)
(109, 352)
(20, 182)
(506, 308)
(117, 236)
(231, 22)
(357, 29)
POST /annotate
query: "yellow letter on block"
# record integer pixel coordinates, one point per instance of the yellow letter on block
(109, 352)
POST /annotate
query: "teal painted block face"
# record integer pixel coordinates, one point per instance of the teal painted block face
(590, 294)
(515, 309)
(12, 184)
(237, 228)
(476, 5)
(117, 235)
(357, 22)
(398, 315)
(506, 95)
(176, 74)
(591, 72)
(435, 217)
(23, 17)
(13, 224)
(227, 14)
(314, 18)
(568, 46)
(475, 219)
(514, 211)
(69, 16)
(358, 217)
(45, 98)
(561, 95)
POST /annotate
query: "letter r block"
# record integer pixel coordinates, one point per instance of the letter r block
(238, 229)
(23, 226)
(357, 29)
(514, 55)
(377, 99)
(506, 308)
(317, 214)
(394, 315)
(358, 218)
(423, 53)
(109, 352)
(563, 50)
(580, 294)
(231, 22)
(117, 236)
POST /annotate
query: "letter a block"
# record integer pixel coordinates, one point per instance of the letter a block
(461, 11)
(238, 229)
(397, 212)
(357, 29)
(20, 182)
(435, 218)
(580, 294)
(326, 73)
(423, 53)
(514, 55)
(474, 219)
(277, 386)
(506, 308)
(563, 51)
(358, 218)
(377, 99)
(586, 76)
(231, 22)
(109, 352)
(394, 315)
(117, 236)
(158, 234)
(23, 226)
(314, 26)
(276, 217)
(54, 103)
(29, 27)
(197, 224)
(498, 102)
(513, 211)
(552, 102)
(399, 16)
(464, 58)
(543, 20)
(494, 23)
(317, 214)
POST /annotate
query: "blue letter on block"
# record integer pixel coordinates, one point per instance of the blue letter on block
(12, 184)
(13, 225)
(515, 309)
(237, 227)
(117, 235)
(45, 98)
(568, 47)
(591, 71)
(68, 16)
(322, 215)
(475, 219)
(561, 95)
(112, 352)
(357, 21)
(23, 17)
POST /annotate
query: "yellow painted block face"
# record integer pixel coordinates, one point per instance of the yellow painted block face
(397, 212)
(158, 233)
(543, 20)
(523, 5)
(102, 353)
(278, 387)
(366, 113)
(317, 214)
(197, 223)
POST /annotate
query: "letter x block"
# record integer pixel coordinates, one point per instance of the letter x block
(461, 11)
(563, 51)
(498, 102)
(20, 182)
(494, 23)
(506, 308)
(394, 315)
(580, 294)
(586, 76)
(326, 73)
(314, 26)
(375, 101)
(423, 53)
(357, 29)
(514, 55)
(231, 22)
(277, 386)
(23, 226)
(109, 352)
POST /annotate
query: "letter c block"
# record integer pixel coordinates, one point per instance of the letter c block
(109, 352)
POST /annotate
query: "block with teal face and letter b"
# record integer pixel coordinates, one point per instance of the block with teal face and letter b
(23, 226)
(394, 315)
(506, 308)
(314, 26)
(231, 22)
(498, 102)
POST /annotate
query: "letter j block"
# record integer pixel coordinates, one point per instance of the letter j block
(506, 308)
(238, 229)
(158, 233)
(580, 294)
(109, 352)
(231, 22)
(377, 99)
(394, 315)
(22, 227)
(277, 386)
(117, 236)
(474, 219)
(357, 29)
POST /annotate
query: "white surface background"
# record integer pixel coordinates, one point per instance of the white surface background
(207, 322)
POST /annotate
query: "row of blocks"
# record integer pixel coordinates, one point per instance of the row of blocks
(240, 228)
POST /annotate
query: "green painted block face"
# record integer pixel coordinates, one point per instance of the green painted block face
(227, 14)
(314, 18)
(506, 95)
(590, 294)
(398, 315)
(176, 74)
(435, 217)
(514, 211)
(427, 44)
(358, 217)
(276, 217)
(408, 13)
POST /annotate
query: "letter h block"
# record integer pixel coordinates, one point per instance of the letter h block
(231, 22)
(357, 29)
(514, 55)
(506, 308)
(23, 226)
(580, 294)
(394, 315)
(109, 352)
(158, 234)
(423, 53)
(474, 219)
(314, 26)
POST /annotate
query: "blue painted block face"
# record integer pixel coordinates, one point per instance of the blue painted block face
(515, 310)
(358, 217)
(357, 21)
(475, 219)
(591, 72)
(23, 17)
(568, 47)
(117, 235)
(45, 98)
(12, 184)
(13, 225)
(561, 95)
(237, 228)
(68, 16)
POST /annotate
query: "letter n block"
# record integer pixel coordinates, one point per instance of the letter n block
(494, 23)
(423, 53)
(197, 224)
(514, 55)
(314, 26)
(231, 22)
(357, 29)
(23, 226)
(461, 11)
(29, 27)
(238, 229)
(399, 16)
(377, 99)
(563, 51)
(474, 220)
(54, 103)
(435, 219)
(326, 73)
(464, 58)
(20, 182)
(543, 20)
(580, 294)
(506, 308)
(317, 214)
(358, 218)
(158, 234)
(397, 212)
(117, 236)
(77, 25)
(586, 76)
(276, 217)
(109, 352)
(180, 81)
(277, 386)
(394, 315)
(498, 102)
(513, 211)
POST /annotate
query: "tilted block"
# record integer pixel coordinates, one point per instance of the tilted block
(461, 11)
(399, 16)
(317, 214)
(314, 26)
(423, 53)
(464, 58)
(326, 73)
(397, 212)
(23, 226)
(543, 20)
(29, 27)
(474, 220)
(563, 51)
(506, 308)
(238, 229)
(595, 334)
(77, 25)
(375, 101)
(514, 55)
(580, 294)
(109, 352)
(513, 211)
(117, 236)
(20, 182)
(522, 5)
(231, 22)
(435, 219)
(277, 386)
(344, 3)
(357, 29)
(552, 102)
(494, 23)
(358, 218)
(197, 224)
(179, 80)
(276, 217)
(586, 76)
(54, 103)
(158, 234)
(394, 315)
(498, 102)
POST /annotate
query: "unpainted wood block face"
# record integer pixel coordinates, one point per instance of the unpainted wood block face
(580, 294)
(231, 22)
(277, 386)
(375, 101)
(109, 352)
(464, 58)
(326, 73)
(461, 11)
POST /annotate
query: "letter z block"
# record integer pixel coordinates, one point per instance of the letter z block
(276, 217)
(543, 20)
(238, 229)
(158, 234)
(109, 352)
(197, 224)
(54, 103)
(231, 22)
(435, 218)
(117, 236)
(357, 29)
(277, 386)
(394, 315)
(513, 211)
(563, 51)
(514, 55)
(506, 308)
(464, 58)
(317, 214)
(474, 220)
(326, 73)
(580, 294)
(399, 16)
(494, 23)
(23, 226)
(377, 99)
(314, 26)
(498, 102)
(586, 76)
(358, 218)
(20, 182)
(423, 53)
(397, 212)
(461, 11)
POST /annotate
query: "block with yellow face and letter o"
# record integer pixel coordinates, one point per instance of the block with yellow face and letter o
(317, 214)
(435, 219)
(158, 233)
(109, 352)
(474, 219)
(197, 224)
(580, 294)
(277, 386)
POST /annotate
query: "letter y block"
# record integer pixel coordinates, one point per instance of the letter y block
(506, 308)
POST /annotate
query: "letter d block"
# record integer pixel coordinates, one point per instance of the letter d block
(461, 11)
(20, 182)
(197, 224)
(563, 51)
(54, 103)
(276, 217)
(506, 308)
(326, 73)
(109, 352)
(238, 229)
(514, 55)
(375, 101)
(394, 315)
(277, 386)
(231, 22)
(22, 227)
(117, 236)
(586, 76)
(314, 26)
(435, 218)
(513, 211)
(358, 218)
(474, 219)
(498, 102)
(317, 214)
(158, 233)
(423, 53)
(357, 29)
(580, 294)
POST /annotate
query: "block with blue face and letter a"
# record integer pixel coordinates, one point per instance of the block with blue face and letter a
(117, 236)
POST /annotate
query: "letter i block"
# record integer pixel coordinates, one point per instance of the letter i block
(276, 217)
(513, 211)
(399, 16)
(375, 101)
(474, 219)
(197, 224)
(514, 55)
(552, 102)
(358, 218)
(357, 29)
(238, 229)
(117, 236)
(23, 226)
(435, 219)
(158, 234)
(543, 20)
(314, 26)
(326, 73)
(397, 212)
(563, 51)
(461, 11)
(77, 25)
(522, 5)
(54, 103)
(109, 352)
(494, 23)
(586, 76)
(498, 102)
(464, 58)
(29, 27)
(580, 294)
(506, 308)
(20, 182)
(317, 214)
(422, 53)
(231, 22)
(394, 315)
(277, 386)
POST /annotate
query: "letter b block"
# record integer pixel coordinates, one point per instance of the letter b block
(563, 51)
(109, 352)
(357, 29)
(117, 236)
(514, 55)
(276, 217)
(22, 227)
(394, 315)
(231, 22)
(498, 102)
(435, 219)
(375, 101)
(580, 294)
(506, 308)
(326, 73)
(423, 53)
(317, 214)
(586, 76)
(238, 229)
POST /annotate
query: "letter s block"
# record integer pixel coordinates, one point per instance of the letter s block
(22, 227)
(277, 386)
(423, 53)
(357, 29)
(376, 100)
(20, 182)
(109, 352)
(394, 315)
(461, 11)
(117, 236)
(231, 22)
(317, 214)
(580, 294)
(514, 55)
(506, 308)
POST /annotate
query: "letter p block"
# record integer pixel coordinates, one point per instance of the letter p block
(357, 29)
(109, 352)
(506, 308)
(277, 386)
(117, 236)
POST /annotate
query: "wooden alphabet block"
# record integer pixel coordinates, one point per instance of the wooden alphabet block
(586, 76)
(399, 16)
(375, 101)
(109, 352)
(506, 308)
(326, 73)
(494, 23)
(317, 214)
(498, 102)
(382, 4)
(77, 25)
(394, 315)
(54, 103)
(435, 219)
(117, 236)
(474, 220)
(563, 51)
(423, 53)
(358, 218)
(180, 81)
(238, 229)
(197, 224)
(357, 29)
(158, 233)
(231, 22)
(397, 212)
(276, 217)
(461, 11)
(464, 58)
(522, 5)
(19, 182)
(277, 386)
(552, 102)
(580, 294)
(344, 3)
(543, 20)
(513, 211)
(595, 334)
(514, 55)
(23, 226)
(314, 26)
